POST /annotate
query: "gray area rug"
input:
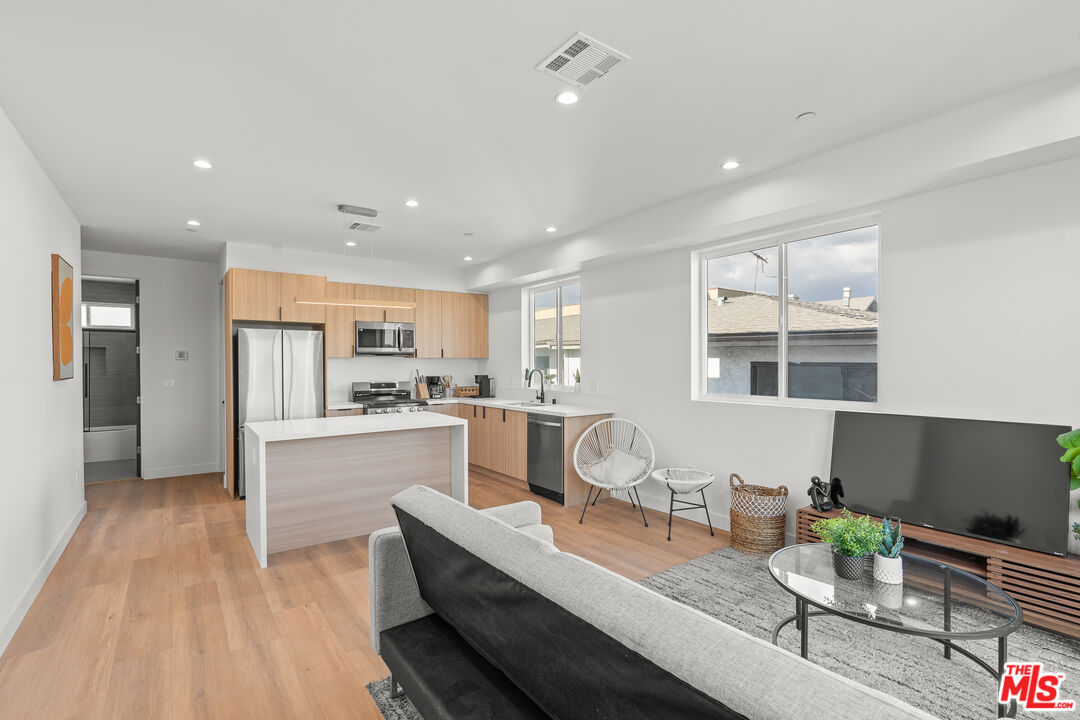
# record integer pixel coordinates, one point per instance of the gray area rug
(392, 709)
(737, 589)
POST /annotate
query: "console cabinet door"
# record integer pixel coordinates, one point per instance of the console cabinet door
(256, 295)
(293, 286)
(340, 340)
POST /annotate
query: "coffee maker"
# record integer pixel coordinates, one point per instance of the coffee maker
(435, 387)
(487, 386)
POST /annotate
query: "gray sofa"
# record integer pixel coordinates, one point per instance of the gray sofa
(478, 615)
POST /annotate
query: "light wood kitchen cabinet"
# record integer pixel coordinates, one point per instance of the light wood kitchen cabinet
(429, 324)
(293, 286)
(340, 327)
(516, 434)
(444, 409)
(464, 325)
(255, 295)
(344, 413)
(385, 293)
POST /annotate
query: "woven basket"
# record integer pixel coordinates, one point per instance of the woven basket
(466, 391)
(758, 517)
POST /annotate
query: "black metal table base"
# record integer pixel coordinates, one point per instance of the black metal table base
(803, 614)
(687, 506)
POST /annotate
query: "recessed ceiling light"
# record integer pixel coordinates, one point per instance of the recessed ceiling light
(566, 97)
(809, 115)
(730, 165)
(467, 258)
(412, 203)
(551, 228)
(194, 223)
(203, 164)
(350, 243)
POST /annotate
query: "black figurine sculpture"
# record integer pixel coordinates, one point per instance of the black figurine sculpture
(836, 491)
(819, 495)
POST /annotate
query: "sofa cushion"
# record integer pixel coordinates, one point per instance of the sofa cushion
(446, 679)
(747, 674)
(569, 668)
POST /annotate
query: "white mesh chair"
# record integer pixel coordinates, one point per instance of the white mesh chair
(598, 444)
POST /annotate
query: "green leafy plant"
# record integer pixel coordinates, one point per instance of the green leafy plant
(1071, 442)
(892, 541)
(1076, 530)
(851, 535)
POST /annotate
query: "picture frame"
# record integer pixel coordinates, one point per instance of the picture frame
(63, 319)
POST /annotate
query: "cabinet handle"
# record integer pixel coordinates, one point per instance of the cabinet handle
(442, 352)
(485, 413)
(474, 411)
(504, 415)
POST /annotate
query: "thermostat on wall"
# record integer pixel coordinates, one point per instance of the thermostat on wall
(181, 354)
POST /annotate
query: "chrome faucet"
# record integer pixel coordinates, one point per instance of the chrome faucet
(539, 395)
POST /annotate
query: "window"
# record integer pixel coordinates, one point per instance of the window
(556, 331)
(823, 289)
(108, 316)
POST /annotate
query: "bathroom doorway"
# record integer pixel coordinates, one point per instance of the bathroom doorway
(112, 437)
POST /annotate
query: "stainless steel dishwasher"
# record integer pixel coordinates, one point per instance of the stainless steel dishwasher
(545, 452)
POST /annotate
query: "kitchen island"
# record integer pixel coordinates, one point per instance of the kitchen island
(322, 479)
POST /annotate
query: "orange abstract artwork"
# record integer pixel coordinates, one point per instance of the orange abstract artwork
(63, 317)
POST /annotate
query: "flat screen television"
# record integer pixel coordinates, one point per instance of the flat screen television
(998, 481)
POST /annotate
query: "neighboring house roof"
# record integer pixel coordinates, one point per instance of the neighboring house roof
(868, 303)
(743, 313)
(544, 326)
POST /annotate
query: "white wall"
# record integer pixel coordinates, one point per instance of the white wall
(180, 309)
(978, 300)
(350, 267)
(41, 487)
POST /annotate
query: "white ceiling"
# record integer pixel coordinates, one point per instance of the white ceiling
(302, 106)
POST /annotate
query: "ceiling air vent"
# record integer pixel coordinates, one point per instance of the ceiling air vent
(580, 60)
(363, 226)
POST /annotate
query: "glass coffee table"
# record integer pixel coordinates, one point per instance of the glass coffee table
(935, 601)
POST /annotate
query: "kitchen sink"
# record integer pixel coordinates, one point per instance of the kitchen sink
(528, 404)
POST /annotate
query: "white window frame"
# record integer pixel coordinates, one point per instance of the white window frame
(530, 316)
(89, 314)
(699, 312)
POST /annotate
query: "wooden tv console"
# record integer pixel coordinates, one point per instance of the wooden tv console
(1047, 587)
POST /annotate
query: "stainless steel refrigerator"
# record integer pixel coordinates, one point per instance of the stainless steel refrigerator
(279, 376)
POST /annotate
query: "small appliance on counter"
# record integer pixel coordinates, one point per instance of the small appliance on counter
(436, 389)
(380, 398)
(487, 386)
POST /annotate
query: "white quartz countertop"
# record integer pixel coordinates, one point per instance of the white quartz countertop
(276, 430)
(343, 405)
(558, 410)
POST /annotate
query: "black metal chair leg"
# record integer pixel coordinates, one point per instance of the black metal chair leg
(706, 506)
(631, 496)
(640, 506)
(586, 506)
(670, 512)
(598, 491)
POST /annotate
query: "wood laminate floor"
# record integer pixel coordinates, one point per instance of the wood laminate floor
(157, 608)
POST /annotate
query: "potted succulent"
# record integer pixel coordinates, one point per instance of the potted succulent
(1071, 442)
(853, 538)
(577, 380)
(888, 565)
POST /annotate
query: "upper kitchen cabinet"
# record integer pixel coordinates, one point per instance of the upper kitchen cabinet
(294, 286)
(340, 339)
(429, 333)
(464, 325)
(385, 294)
(256, 295)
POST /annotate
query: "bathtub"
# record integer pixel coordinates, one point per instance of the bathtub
(115, 442)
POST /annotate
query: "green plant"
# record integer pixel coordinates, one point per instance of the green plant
(851, 535)
(1071, 442)
(577, 376)
(892, 540)
(1076, 530)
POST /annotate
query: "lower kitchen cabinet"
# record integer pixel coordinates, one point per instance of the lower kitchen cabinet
(497, 439)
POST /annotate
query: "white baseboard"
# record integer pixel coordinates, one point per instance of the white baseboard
(11, 624)
(178, 470)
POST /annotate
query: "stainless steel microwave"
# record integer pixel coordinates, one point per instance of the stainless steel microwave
(385, 338)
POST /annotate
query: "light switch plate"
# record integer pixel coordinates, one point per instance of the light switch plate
(181, 354)
(168, 384)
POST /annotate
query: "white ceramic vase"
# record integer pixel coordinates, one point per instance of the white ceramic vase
(889, 570)
(889, 595)
(1074, 517)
